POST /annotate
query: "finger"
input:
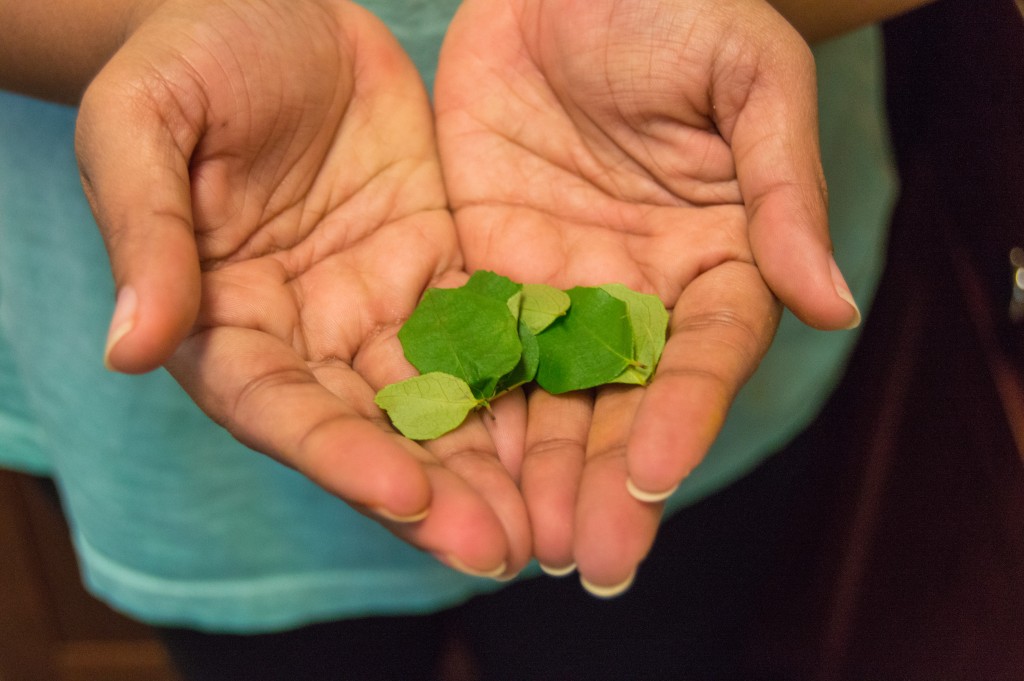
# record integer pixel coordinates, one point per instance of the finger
(334, 437)
(720, 329)
(503, 549)
(507, 426)
(480, 515)
(556, 441)
(264, 395)
(135, 174)
(461, 529)
(614, 531)
(767, 109)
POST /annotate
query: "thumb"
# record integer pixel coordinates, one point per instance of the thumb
(773, 131)
(135, 175)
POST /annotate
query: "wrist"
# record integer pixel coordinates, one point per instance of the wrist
(817, 21)
(52, 49)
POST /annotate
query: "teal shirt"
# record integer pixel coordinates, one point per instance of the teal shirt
(177, 523)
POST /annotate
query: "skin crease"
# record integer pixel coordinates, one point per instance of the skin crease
(271, 216)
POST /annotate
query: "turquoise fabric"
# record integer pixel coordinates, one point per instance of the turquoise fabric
(177, 523)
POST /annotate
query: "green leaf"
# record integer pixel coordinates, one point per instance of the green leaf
(542, 305)
(649, 320)
(428, 406)
(515, 304)
(589, 346)
(498, 287)
(526, 369)
(465, 334)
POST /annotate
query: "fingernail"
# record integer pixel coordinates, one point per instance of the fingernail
(608, 591)
(122, 322)
(456, 564)
(648, 497)
(843, 291)
(405, 519)
(558, 571)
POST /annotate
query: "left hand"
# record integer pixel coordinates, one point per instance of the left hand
(670, 146)
(267, 183)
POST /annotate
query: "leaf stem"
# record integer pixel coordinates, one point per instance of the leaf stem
(486, 405)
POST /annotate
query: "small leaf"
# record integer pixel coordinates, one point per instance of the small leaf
(542, 305)
(589, 346)
(465, 334)
(649, 320)
(428, 406)
(515, 304)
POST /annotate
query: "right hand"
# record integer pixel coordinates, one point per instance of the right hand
(669, 145)
(265, 177)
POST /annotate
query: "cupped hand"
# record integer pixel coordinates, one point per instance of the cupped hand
(266, 180)
(670, 146)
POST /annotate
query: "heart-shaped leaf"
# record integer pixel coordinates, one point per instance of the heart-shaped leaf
(649, 321)
(428, 406)
(542, 305)
(465, 334)
(589, 346)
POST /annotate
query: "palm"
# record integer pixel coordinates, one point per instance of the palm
(319, 218)
(581, 145)
(552, 179)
